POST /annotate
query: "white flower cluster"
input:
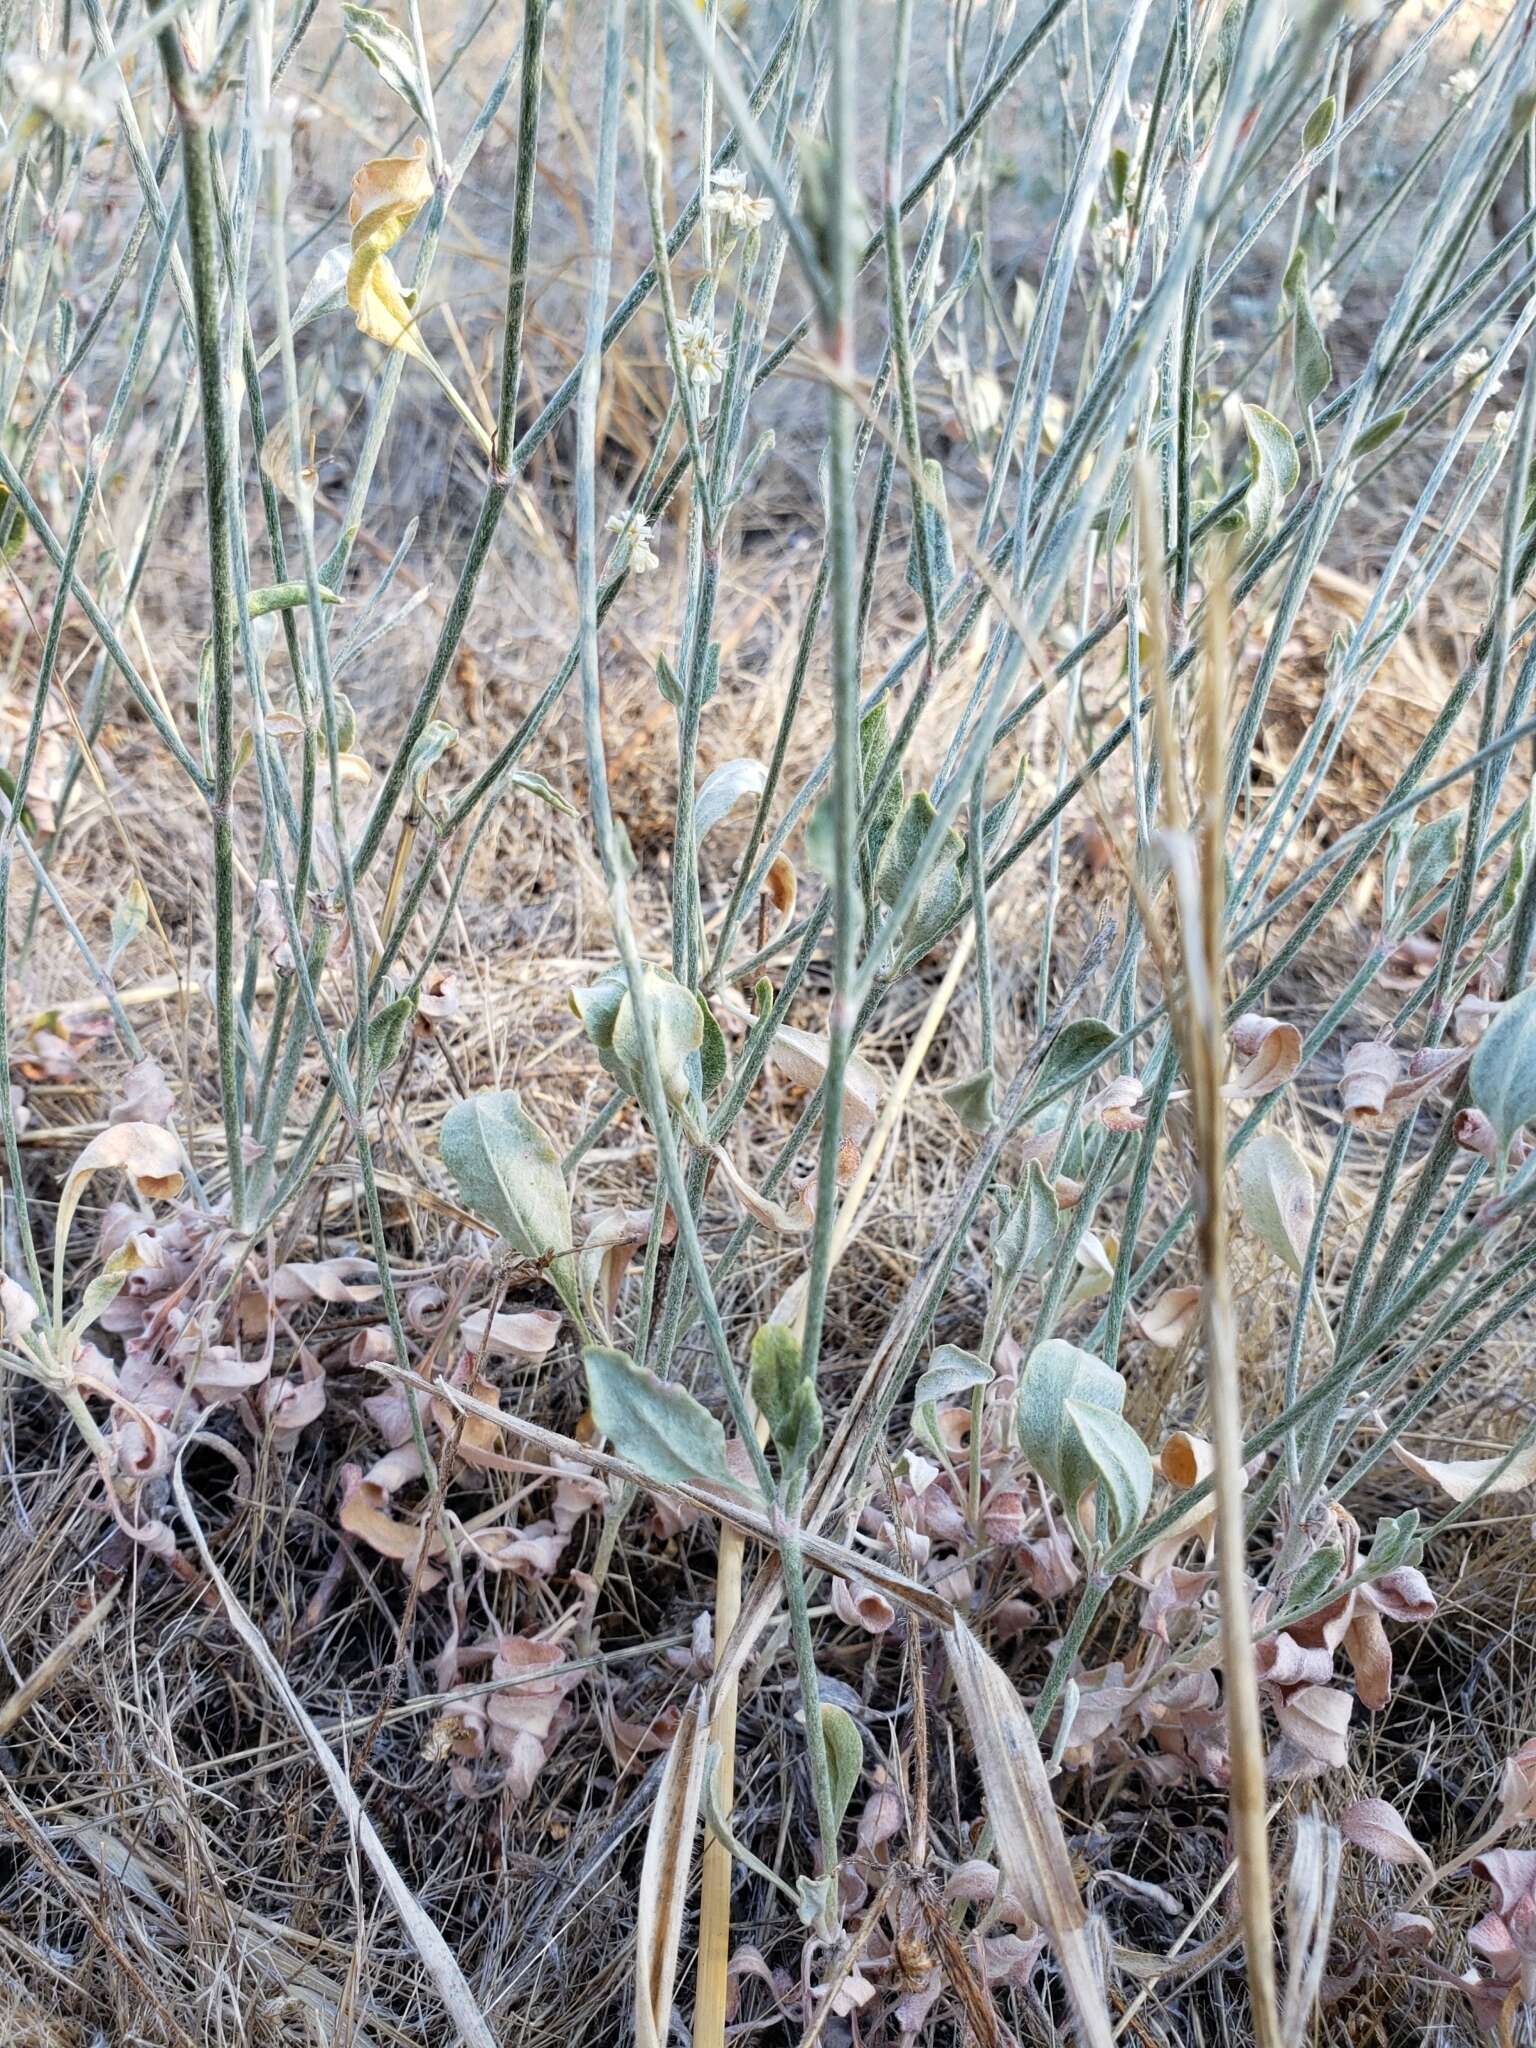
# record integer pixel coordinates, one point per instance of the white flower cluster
(1460, 86)
(730, 200)
(1471, 364)
(56, 92)
(636, 542)
(703, 353)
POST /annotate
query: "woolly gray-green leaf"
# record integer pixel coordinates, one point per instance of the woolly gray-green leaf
(1319, 124)
(1274, 464)
(1023, 1242)
(972, 1099)
(1120, 1461)
(950, 1371)
(391, 53)
(507, 1170)
(1057, 1377)
(786, 1397)
(722, 790)
(534, 784)
(874, 745)
(655, 1424)
(1074, 1052)
(1277, 1197)
(845, 1756)
(1417, 860)
(944, 892)
(1312, 363)
(1502, 1076)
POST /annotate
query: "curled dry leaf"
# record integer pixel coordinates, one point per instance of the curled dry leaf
(862, 1606)
(1474, 1132)
(147, 1153)
(1431, 1067)
(613, 1237)
(387, 194)
(760, 1207)
(1185, 1461)
(1316, 1718)
(1171, 1317)
(1517, 1787)
(521, 1333)
(801, 1056)
(779, 888)
(1460, 1478)
(1268, 1053)
(439, 1001)
(1378, 1828)
(1116, 1104)
(1370, 1073)
(145, 1096)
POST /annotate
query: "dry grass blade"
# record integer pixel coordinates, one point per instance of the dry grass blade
(1030, 1843)
(664, 1875)
(422, 1929)
(1196, 860)
(27, 1694)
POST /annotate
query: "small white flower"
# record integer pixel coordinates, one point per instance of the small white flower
(635, 542)
(1472, 365)
(736, 206)
(1459, 86)
(55, 92)
(703, 353)
(1326, 304)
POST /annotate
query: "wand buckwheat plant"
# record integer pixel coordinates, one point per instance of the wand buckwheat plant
(767, 782)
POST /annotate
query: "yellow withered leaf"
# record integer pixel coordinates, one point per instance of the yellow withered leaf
(387, 194)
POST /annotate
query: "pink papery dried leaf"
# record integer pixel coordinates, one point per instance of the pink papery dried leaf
(1517, 1787)
(1460, 1478)
(1475, 1132)
(220, 1374)
(1171, 1317)
(390, 1414)
(292, 1404)
(858, 1605)
(422, 1305)
(527, 1334)
(637, 1736)
(1004, 1520)
(1401, 1594)
(576, 1494)
(1379, 1829)
(1049, 1565)
(881, 1820)
(1116, 1105)
(1316, 1718)
(342, 1280)
(1283, 1662)
(1371, 1071)
(1430, 1068)
(439, 1000)
(145, 1097)
(1370, 1656)
(1173, 1592)
(529, 1553)
(1268, 1053)
(1512, 1873)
